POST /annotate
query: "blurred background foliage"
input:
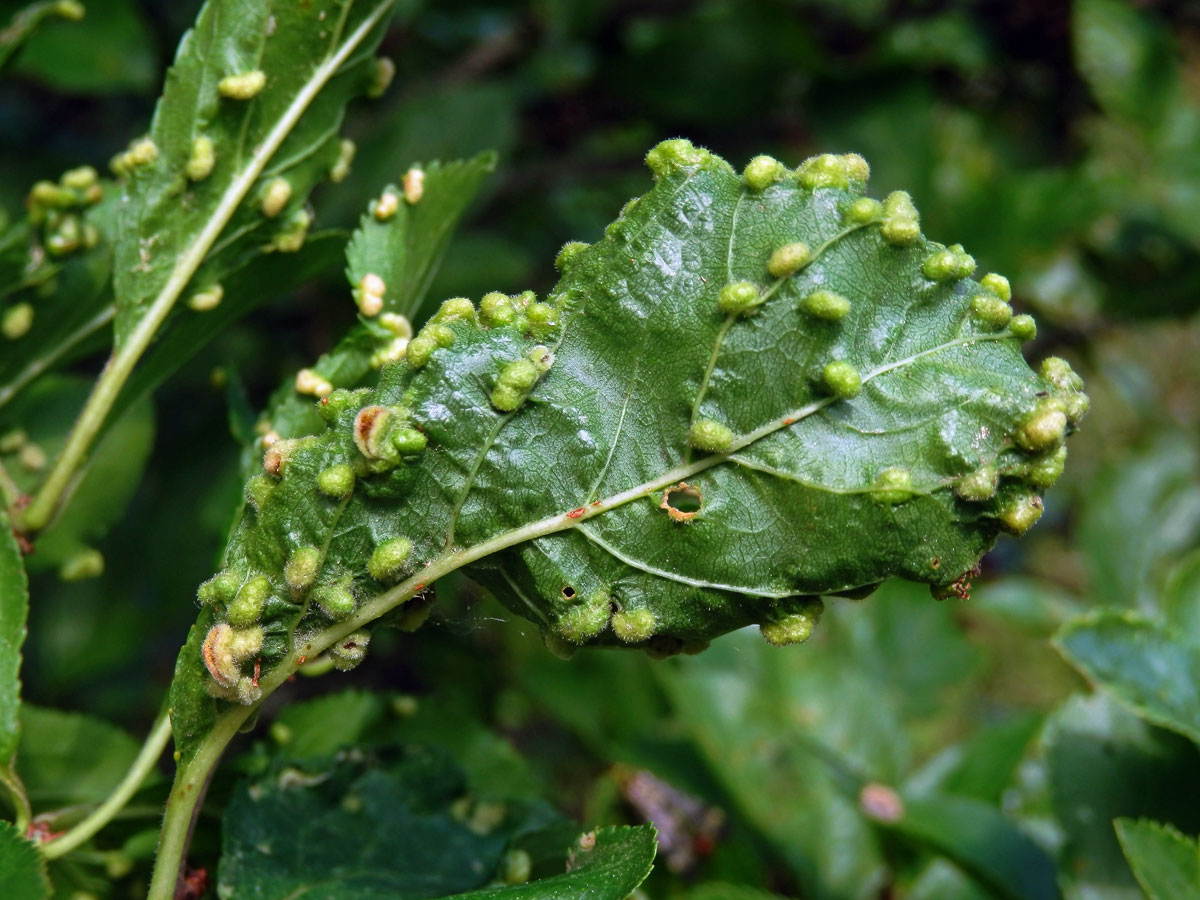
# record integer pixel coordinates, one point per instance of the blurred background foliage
(1059, 142)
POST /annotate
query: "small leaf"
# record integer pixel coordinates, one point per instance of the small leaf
(26, 22)
(22, 867)
(14, 611)
(1153, 668)
(1105, 763)
(1165, 862)
(983, 842)
(406, 249)
(68, 758)
(607, 864)
(362, 826)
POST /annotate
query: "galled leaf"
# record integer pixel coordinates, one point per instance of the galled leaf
(680, 441)
(246, 125)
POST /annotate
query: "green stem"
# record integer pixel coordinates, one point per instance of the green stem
(20, 799)
(120, 364)
(104, 813)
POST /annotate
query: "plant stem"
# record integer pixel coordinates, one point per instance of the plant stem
(186, 793)
(20, 800)
(120, 364)
(142, 766)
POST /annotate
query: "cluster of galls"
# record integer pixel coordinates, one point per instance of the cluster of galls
(384, 438)
(57, 215)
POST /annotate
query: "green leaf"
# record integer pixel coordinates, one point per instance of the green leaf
(392, 825)
(112, 51)
(14, 610)
(69, 758)
(1126, 56)
(313, 59)
(22, 868)
(406, 249)
(113, 471)
(1165, 862)
(1153, 668)
(983, 842)
(558, 498)
(608, 864)
(1106, 763)
(26, 22)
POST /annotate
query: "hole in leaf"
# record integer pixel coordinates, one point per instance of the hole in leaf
(568, 593)
(681, 501)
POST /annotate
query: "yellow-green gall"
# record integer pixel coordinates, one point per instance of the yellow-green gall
(336, 481)
(420, 349)
(49, 195)
(381, 80)
(247, 607)
(310, 382)
(1058, 372)
(1043, 428)
(586, 619)
(762, 172)
(17, 321)
(81, 565)
(1023, 327)
(32, 457)
(893, 485)
(738, 298)
(65, 238)
(825, 171)
(633, 626)
(541, 317)
(79, 179)
(388, 559)
(857, 167)
(258, 491)
(863, 211)
(243, 86)
(200, 163)
(302, 567)
(12, 441)
(441, 335)
(335, 600)
(516, 867)
(455, 308)
(826, 305)
(408, 440)
(497, 309)
(1019, 511)
(291, 238)
(414, 186)
(225, 649)
(948, 264)
(842, 379)
(71, 10)
(998, 285)
(141, 152)
(542, 358)
(1074, 406)
(386, 206)
(990, 312)
(1046, 470)
(207, 299)
(368, 294)
(567, 255)
(901, 225)
(979, 485)
(275, 197)
(516, 380)
(341, 168)
(674, 155)
(794, 627)
(221, 588)
(710, 436)
(789, 259)
(350, 650)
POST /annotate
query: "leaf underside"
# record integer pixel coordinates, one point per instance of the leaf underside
(575, 478)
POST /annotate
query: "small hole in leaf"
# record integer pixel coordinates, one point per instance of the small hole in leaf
(681, 501)
(568, 593)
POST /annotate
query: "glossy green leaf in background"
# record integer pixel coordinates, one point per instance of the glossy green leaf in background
(1166, 863)
(22, 868)
(14, 610)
